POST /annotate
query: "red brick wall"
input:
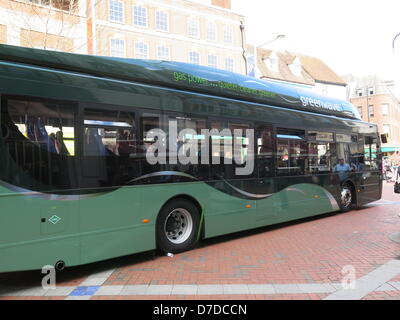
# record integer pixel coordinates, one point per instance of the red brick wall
(222, 3)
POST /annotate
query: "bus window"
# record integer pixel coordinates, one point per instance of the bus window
(109, 133)
(370, 153)
(109, 147)
(342, 152)
(350, 149)
(319, 157)
(151, 125)
(320, 151)
(149, 121)
(221, 150)
(264, 151)
(41, 141)
(320, 136)
(356, 148)
(189, 145)
(241, 146)
(291, 152)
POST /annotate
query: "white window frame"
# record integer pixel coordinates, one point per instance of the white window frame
(215, 31)
(140, 56)
(273, 64)
(167, 20)
(111, 48)
(190, 27)
(360, 111)
(226, 64)
(371, 89)
(164, 47)
(123, 11)
(295, 67)
(384, 126)
(226, 39)
(190, 54)
(385, 109)
(216, 60)
(371, 110)
(139, 5)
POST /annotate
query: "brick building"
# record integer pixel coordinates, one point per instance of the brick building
(200, 32)
(376, 103)
(45, 24)
(204, 32)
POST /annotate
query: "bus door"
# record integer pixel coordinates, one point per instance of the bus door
(264, 166)
(294, 185)
(110, 169)
(371, 183)
(231, 154)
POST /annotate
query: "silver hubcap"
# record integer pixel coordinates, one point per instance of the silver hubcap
(178, 225)
(346, 197)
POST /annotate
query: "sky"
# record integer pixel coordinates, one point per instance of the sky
(350, 36)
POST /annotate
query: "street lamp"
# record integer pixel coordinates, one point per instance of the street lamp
(279, 36)
(394, 39)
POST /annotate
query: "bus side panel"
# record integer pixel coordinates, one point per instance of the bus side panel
(112, 224)
(370, 188)
(36, 232)
(222, 212)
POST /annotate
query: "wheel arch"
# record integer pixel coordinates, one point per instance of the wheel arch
(353, 188)
(198, 206)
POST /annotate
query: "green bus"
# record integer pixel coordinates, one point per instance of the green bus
(77, 184)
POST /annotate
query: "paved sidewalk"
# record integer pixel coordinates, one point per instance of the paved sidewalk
(305, 260)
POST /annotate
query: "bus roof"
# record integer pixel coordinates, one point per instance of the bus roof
(184, 76)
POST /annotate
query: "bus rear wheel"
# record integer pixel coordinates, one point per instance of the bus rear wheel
(346, 197)
(177, 226)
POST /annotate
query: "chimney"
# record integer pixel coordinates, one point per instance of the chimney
(226, 4)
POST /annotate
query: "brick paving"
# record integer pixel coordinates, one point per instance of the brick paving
(312, 252)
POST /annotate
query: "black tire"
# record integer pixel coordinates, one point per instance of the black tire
(346, 197)
(177, 226)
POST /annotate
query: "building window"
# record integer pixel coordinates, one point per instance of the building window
(385, 109)
(212, 61)
(116, 11)
(371, 110)
(194, 57)
(360, 111)
(162, 53)
(140, 16)
(193, 28)
(359, 92)
(141, 50)
(295, 67)
(272, 62)
(228, 35)
(65, 5)
(229, 64)
(211, 31)
(386, 129)
(371, 90)
(117, 48)
(161, 20)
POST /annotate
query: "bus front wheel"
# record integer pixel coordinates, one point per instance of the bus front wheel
(346, 197)
(177, 226)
